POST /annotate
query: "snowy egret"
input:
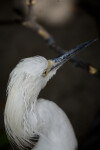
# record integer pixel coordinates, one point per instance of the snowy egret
(33, 123)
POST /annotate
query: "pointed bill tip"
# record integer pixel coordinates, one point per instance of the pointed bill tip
(69, 54)
(90, 41)
(83, 45)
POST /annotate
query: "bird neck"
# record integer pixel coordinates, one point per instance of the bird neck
(22, 122)
(22, 95)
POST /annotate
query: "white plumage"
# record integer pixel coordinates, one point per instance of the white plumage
(33, 123)
(26, 117)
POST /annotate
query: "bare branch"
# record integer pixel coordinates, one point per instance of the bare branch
(30, 22)
(51, 42)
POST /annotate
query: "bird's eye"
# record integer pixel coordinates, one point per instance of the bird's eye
(47, 70)
(45, 73)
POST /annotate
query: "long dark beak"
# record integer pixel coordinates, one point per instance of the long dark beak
(56, 62)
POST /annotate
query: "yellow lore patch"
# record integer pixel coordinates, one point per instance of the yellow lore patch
(50, 64)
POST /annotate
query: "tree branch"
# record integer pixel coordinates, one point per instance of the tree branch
(30, 22)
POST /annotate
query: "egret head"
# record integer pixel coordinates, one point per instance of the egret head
(38, 70)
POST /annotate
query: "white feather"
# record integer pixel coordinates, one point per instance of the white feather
(26, 117)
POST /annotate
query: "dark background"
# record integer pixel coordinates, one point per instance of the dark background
(74, 90)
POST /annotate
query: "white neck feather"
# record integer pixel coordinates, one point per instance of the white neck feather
(22, 96)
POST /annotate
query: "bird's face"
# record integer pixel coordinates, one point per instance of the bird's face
(34, 70)
(40, 70)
